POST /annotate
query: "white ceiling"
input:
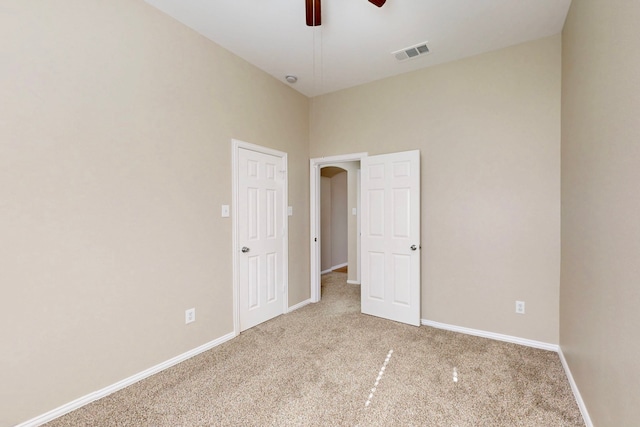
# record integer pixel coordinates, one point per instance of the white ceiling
(354, 43)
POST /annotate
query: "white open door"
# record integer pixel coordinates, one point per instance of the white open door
(390, 238)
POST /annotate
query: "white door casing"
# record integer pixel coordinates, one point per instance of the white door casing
(390, 190)
(260, 234)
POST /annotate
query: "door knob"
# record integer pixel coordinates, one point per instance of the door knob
(245, 249)
(414, 247)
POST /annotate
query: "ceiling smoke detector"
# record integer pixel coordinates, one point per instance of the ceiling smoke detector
(411, 52)
(291, 79)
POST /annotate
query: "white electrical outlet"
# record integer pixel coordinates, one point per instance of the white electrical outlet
(520, 307)
(190, 315)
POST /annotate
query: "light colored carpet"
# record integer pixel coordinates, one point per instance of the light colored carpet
(318, 366)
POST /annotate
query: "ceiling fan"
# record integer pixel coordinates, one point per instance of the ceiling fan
(313, 11)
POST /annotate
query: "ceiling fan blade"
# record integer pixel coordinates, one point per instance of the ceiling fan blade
(313, 13)
(378, 3)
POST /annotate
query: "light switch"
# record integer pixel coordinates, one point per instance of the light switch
(290, 210)
(354, 211)
(225, 211)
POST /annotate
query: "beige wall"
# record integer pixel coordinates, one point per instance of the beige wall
(325, 224)
(115, 152)
(353, 169)
(339, 223)
(488, 128)
(600, 290)
(333, 220)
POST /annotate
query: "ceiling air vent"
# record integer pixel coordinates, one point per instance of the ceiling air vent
(411, 52)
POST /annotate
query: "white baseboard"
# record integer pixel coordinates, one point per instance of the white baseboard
(576, 392)
(353, 282)
(92, 397)
(492, 335)
(299, 305)
(335, 267)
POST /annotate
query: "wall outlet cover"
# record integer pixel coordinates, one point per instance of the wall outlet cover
(190, 315)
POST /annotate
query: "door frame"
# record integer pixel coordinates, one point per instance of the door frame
(314, 210)
(236, 146)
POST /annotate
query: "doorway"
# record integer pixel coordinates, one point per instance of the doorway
(335, 233)
(390, 233)
(344, 162)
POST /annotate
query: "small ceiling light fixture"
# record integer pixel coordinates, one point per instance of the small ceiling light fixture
(291, 79)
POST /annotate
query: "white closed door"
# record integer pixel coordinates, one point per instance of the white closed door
(261, 180)
(390, 189)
